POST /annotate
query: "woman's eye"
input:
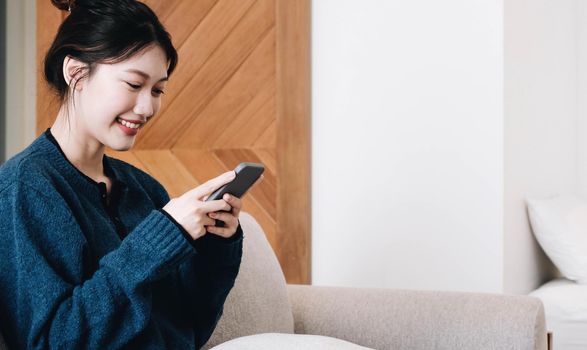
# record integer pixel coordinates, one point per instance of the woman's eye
(133, 86)
(156, 92)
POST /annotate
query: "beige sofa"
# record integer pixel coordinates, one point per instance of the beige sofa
(262, 303)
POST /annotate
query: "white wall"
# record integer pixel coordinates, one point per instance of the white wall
(408, 144)
(581, 20)
(540, 69)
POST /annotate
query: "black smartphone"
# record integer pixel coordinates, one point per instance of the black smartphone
(246, 175)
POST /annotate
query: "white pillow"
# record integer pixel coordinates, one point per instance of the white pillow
(284, 341)
(560, 226)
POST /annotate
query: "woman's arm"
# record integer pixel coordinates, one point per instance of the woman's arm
(45, 302)
(207, 279)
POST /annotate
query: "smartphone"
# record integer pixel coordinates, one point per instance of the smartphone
(246, 175)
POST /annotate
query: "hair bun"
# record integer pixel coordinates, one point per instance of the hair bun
(64, 5)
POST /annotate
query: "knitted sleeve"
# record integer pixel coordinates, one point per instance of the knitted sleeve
(43, 295)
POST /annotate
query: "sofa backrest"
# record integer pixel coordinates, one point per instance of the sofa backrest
(258, 302)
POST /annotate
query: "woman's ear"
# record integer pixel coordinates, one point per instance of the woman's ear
(72, 72)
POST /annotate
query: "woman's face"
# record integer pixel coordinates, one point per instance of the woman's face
(120, 93)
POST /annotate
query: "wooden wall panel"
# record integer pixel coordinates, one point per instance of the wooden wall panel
(205, 84)
(293, 138)
(219, 118)
(241, 92)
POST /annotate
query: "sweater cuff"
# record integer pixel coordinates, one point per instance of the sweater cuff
(153, 249)
(178, 225)
(217, 248)
(220, 250)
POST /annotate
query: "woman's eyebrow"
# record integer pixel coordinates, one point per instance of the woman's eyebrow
(143, 74)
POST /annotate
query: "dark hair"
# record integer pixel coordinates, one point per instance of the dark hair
(103, 31)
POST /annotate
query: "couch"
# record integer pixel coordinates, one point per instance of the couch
(263, 304)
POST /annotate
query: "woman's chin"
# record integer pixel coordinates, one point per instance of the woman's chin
(121, 146)
(118, 140)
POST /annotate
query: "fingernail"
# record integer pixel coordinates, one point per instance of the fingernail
(226, 197)
(212, 215)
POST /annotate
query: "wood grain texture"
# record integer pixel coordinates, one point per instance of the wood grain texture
(202, 43)
(163, 8)
(173, 15)
(293, 139)
(128, 157)
(240, 93)
(217, 125)
(165, 167)
(200, 89)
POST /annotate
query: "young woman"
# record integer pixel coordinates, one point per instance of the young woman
(93, 253)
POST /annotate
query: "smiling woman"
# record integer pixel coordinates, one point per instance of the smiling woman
(114, 95)
(94, 252)
(132, 48)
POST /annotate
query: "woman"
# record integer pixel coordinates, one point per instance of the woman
(93, 253)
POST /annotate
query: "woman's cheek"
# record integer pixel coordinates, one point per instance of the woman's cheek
(121, 100)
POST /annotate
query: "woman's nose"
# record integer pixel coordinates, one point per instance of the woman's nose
(143, 106)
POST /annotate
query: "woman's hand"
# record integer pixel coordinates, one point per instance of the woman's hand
(230, 218)
(191, 211)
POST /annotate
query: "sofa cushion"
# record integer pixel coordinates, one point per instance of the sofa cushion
(287, 342)
(258, 302)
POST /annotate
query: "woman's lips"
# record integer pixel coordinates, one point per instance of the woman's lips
(128, 131)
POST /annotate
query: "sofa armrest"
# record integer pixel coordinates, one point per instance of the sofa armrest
(401, 319)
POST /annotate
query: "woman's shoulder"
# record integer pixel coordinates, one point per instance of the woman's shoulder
(28, 167)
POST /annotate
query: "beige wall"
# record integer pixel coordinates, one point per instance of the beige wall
(20, 75)
(581, 15)
(540, 113)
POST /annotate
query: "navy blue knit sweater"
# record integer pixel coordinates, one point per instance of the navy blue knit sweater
(80, 269)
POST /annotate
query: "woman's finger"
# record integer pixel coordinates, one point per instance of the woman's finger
(208, 221)
(235, 202)
(222, 231)
(211, 185)
(216, 205)
(230, 221)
